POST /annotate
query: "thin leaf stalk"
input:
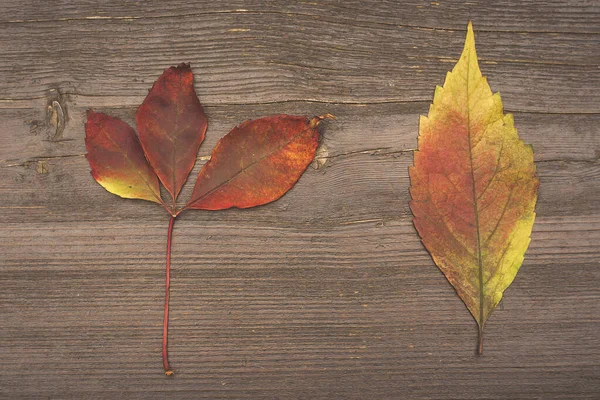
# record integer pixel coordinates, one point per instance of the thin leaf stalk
(480, 341)
(165, 352)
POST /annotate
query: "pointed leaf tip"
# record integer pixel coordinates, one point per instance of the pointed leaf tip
(470, 33)
(315, 121)
(469, 46)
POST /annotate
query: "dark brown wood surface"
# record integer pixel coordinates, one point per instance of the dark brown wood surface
(328, 292)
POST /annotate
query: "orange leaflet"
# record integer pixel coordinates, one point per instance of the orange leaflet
(256, 163)
(171, 124)
(473, 188)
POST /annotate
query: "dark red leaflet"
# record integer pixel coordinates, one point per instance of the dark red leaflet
(171, 125)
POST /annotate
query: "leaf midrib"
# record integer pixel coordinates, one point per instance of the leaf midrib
(476, 211)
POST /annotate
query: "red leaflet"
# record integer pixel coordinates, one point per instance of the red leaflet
(171, 124)
(256, 163)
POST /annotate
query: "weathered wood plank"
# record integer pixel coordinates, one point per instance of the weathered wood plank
(532, 16)
(257, 303)
(29, 133)
(362, 173)
(246, 58)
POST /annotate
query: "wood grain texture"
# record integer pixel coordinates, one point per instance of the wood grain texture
(326, 293)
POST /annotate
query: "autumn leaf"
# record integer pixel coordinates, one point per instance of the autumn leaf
(270, 155)
(171, 125)
(117, 159)
(473, 188)
(256, 163)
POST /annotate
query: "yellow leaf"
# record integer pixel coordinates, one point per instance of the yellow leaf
(473, 188)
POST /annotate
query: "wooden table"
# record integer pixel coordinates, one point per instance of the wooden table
(328, 292)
